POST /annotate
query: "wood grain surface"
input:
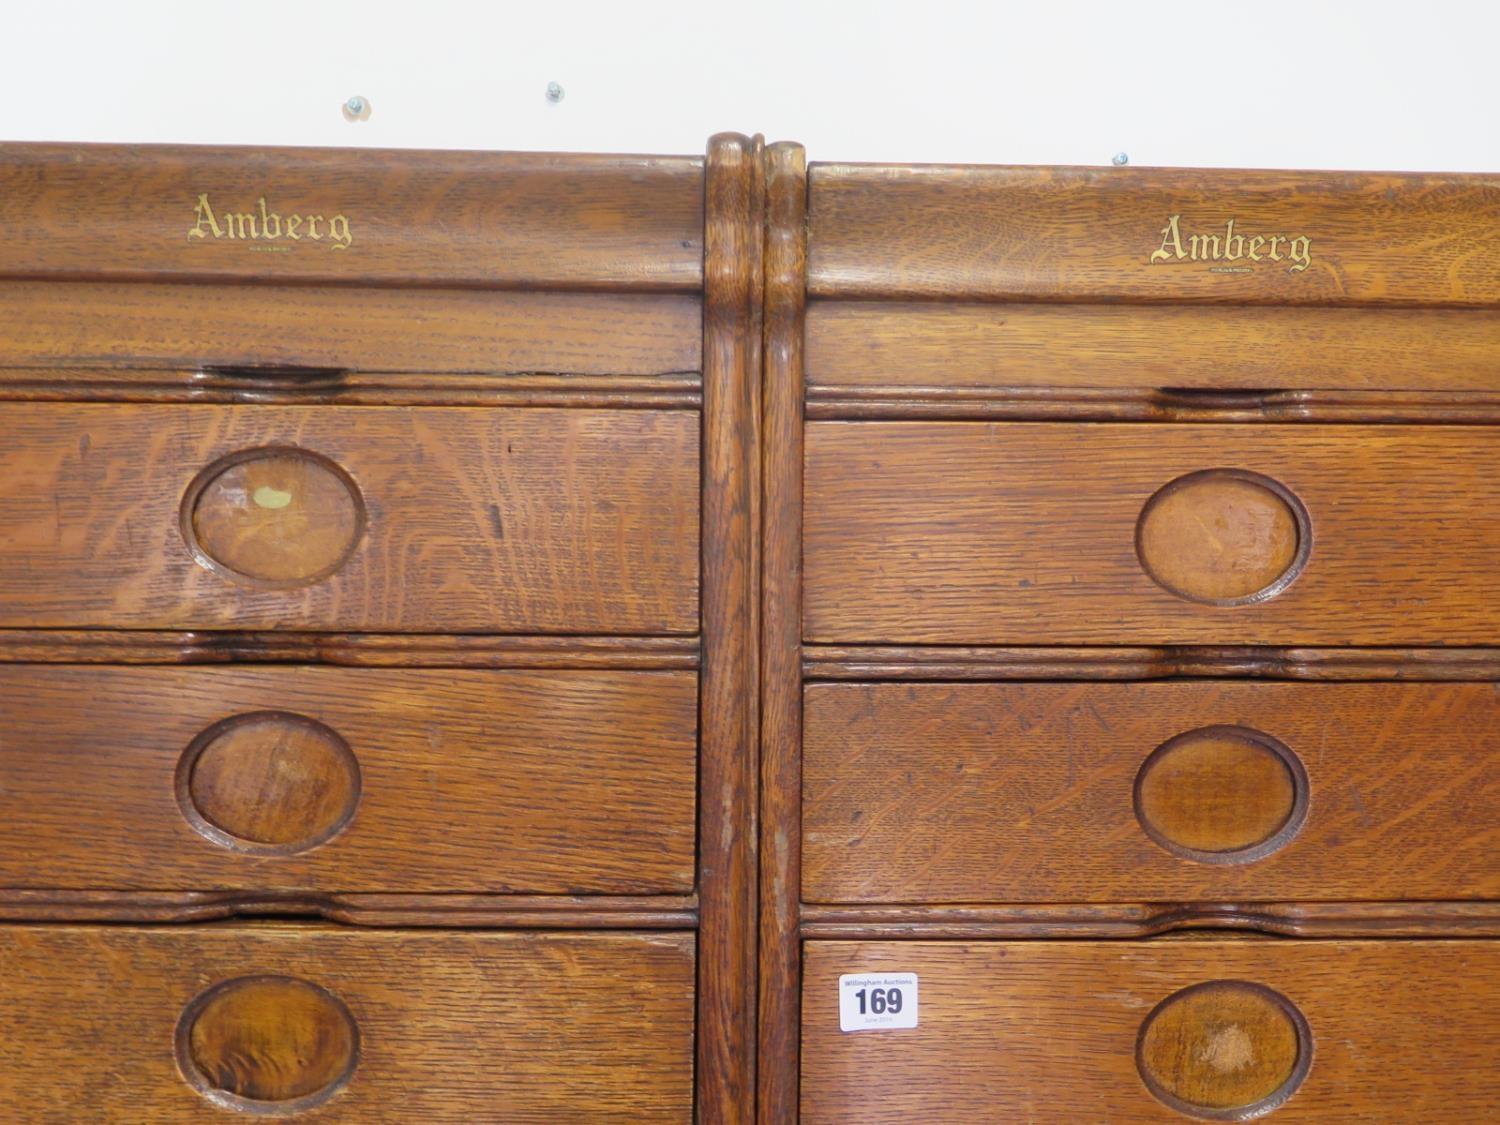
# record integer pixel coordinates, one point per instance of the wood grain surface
(1025, 792)
(729, 734)
(970, 533)
(1097, 662)
(1047, 1031)
(948, 921)
(309, 332)
(1144, 404)
(451, 1027)
(353, 650)
(468, 780)
(384, 909)
(414, 218)
(781, 632)
(946, 346)
(267, 1042)
(481, 521)
(281, 517)
(1076, 234)
(1222, 537)
(269, 782)
(343, 445)
(302, 386)
(1222, 794)
(1224, 1050)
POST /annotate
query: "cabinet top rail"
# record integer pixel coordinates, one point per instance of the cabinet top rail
(1153, 235)
(365, 216)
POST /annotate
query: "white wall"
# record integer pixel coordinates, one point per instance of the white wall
(1274, 83)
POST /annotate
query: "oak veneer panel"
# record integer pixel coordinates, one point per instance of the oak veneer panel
(1019, 533)
(528, 520)
(950, 793)
(114, 325)
(451, 1026)
(1046, 1031)
(965, 347)
(464, 780)
(1076, 234)
(494, 219)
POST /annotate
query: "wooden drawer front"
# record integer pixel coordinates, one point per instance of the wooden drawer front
(331, 779)
(977, 533)
(307, 331)
(1150, 792)
(437, 519)
(128, 1025)
(1373, 1031)
(931, 354)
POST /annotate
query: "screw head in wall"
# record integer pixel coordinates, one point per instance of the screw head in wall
(1120, 159)
(357, 108)
(554, 92)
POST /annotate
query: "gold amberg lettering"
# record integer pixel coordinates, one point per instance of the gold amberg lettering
(1230, 246)
(264, 225)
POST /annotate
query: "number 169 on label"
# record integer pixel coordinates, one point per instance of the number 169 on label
(877, 1001)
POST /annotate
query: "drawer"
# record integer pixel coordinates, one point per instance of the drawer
(438, 519)
(1199, 790)
(1222, 1029)
(179, 1024)
(73, 336)
(283, 778)
(1055, 534)
(964, 357)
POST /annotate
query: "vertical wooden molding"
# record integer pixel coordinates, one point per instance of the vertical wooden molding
(781, 632)
(730, 711)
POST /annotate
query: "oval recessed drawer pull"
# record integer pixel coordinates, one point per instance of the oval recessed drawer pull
(269, 783)
(1223, 537)
(1227, 1050)
(267, 1044)
(1221, 794)
(277, 517)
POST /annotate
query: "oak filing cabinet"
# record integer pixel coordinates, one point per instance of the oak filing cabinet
(374, 603)
(1147, 670)
(498, 637)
